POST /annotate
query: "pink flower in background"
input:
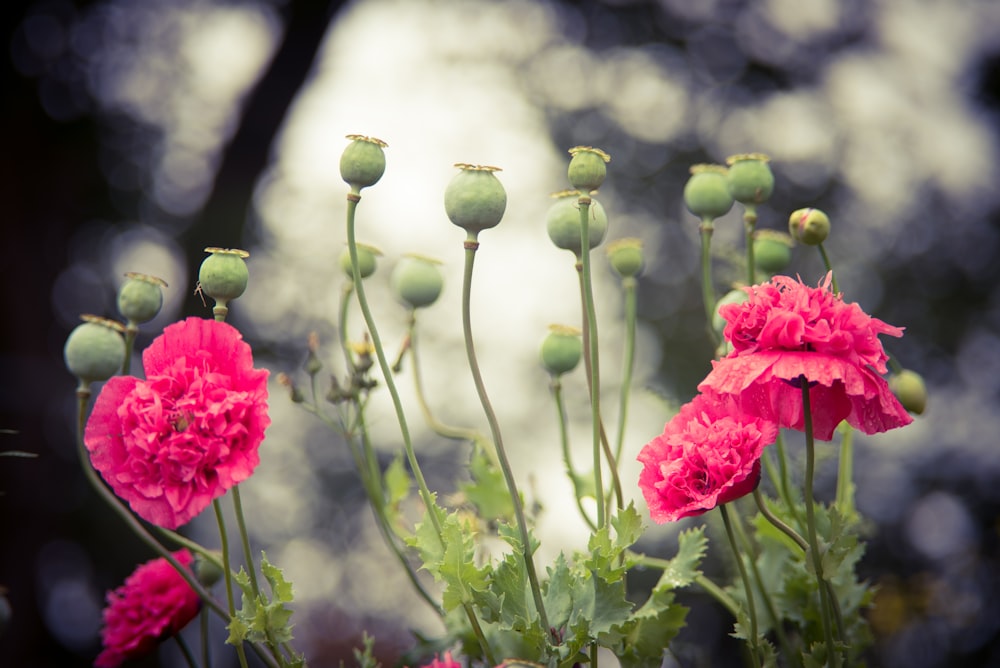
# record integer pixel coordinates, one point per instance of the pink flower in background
(154, 604)
(170, 444)
(443, 662)
(787, 330)
(708, 454)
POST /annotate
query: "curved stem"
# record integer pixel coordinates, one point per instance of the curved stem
(556, 386)
(707, 291)
(629, 288)
(471, 245)
(777, 523)
(747, 587)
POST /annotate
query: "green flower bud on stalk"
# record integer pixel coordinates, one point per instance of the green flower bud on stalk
(772, 251)
(587, 168)
(626, 256)
(475, 200)
(750, 178)
(910, 389)
(562, 349)
(563, 221)
(223, 275)
(706, 193)
(140, 297)
(734, 296)
(207, 572)
(94, 350)
(366, 260)
(417, 281)
(809, 226)
(363, 162)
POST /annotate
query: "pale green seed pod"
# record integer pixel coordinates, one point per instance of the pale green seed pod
(95, 350)
(475, 200)
(587, 168)
(626, 256)
(207, 572)
(562, 221)
(706, 193)
(809, 226)
(140, 298)
(772, 251)
(751, 181)
(363, 162)
(367, 260)
(223, 274)
(911, 390)
(417, 281)
(562, 349)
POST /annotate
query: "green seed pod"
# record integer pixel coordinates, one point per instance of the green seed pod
(735, 296)
(140, 297)
(587, 168)
(475, 199)
(626, 256)
(772, 251)
(417, 281)
(207, 572)
(910, 389)
(706, 193)
(363, 162)
(750, 178)
(563, 222)
(95, 350)
(366, 260)
(223, 274)
(809, 226)
(562, 349)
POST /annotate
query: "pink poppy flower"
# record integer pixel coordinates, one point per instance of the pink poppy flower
(786, 331)
(708, 454)
(170, 444)
(154, 604)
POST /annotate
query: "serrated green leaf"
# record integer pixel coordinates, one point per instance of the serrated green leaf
(488, 491)
(651, 629)
(281, 589)
(457, 568)
(397, 482)
(557, 595)
(426, 540)
(684, 567)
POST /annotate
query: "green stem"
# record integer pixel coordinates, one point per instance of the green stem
(747, 587)
(845, 473)
(810, 502)
(777, 523)
(345, 301)
(471, 245)
(749, 225)
(707, 291)
(245, 539)
(227, 573)
(629, 288)
(185, 649)
(829, 268)
(556, 386)
(712, 589)
(131, 331)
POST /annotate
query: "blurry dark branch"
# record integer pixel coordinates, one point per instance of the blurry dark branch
(223, 219)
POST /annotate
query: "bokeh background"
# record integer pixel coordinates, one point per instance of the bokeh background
(136, 133)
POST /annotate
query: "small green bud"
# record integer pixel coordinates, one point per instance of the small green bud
(417, 281)
(95, 350)
(140, 297)
(207, 572)
(772, 251)
(562, 349)
(587, 168)
(626, 256)
(366, 260)
(910, 389)
(734, 296)
(706, 193)
(750, 179)
(363, 162)
(809, 226)
(223, 275)
(563, 222)
(475, 200)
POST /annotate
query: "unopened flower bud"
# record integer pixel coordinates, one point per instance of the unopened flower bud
(417, 281)
(140, 297)
(562, 349)
(735, 296)
(366, 260)
(475, 200)
(626, 256)
(562, 221)
(750, 178)
(809, 226)
(910, 389)
(206, 571)
(772, 251)
(363, 162)
(313, 363)
(95, 350)
(706, 193)
(223, 274)
(587, 168)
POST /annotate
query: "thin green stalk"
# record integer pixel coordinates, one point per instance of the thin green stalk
(777, 523)
(845, 473)
(556, 386)
(131, 331)
(811, 524)
(471, 245)
(227, 574)
(592, 353)
(829, 268)
(206, 656)
(345, 301)
(749, 225)
(712, 589)
(245, 539)
(186, 651)
(629, 288)
(747, 587)
(707, 291)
